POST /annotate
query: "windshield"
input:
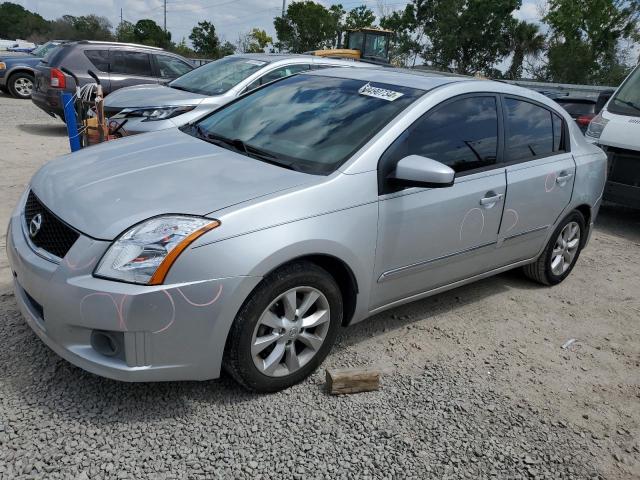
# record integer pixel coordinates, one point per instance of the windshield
(309, 123)
(43, 49)
(217, 77)
(626, 100)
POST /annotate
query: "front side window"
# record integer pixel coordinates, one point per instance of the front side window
(529, 129)
(216, 78)
(462, 134)
(131, 63)
(626, 101)
(305, 122)
(171, 67)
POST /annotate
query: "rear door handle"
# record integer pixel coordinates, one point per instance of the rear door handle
(492, 199)
(563, 177)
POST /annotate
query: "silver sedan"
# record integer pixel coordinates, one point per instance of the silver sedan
(247, 239)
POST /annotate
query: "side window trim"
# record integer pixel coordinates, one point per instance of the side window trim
(501, 135)
(565, 129)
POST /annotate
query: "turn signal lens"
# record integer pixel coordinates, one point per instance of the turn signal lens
(57, 79)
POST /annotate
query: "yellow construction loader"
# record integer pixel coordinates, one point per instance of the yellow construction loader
(365, 44)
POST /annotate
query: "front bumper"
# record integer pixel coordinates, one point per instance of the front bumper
(169, 332)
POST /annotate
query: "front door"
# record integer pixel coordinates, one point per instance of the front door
(429, 238)
(540, 176)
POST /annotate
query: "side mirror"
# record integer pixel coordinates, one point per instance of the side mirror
(417, 171)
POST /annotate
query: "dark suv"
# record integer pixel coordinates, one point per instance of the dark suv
(117, 65)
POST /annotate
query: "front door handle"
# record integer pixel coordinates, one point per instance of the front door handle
(563, 177)
(491, 200)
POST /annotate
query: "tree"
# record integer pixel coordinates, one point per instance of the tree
(18, 22)
(204, 39)
(93, 27)
(148, 32)
(467, 36)
(182, 49)
(227, 48)
(126, 32)
(254, 41)
(585, 37)
(307, 26)
(360, 17)
(407, 42)
(525, 40)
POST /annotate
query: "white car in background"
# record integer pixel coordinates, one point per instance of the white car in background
(149, 108)
(616, 129)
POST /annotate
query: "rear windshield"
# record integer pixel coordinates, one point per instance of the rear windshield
(218, 77)
(306, 122)
(626, 100)
(578, 108)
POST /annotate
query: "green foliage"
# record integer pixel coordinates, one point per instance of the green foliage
(148, 32)
(307, 26)
(254, 41)
(126, 32)
(206, 42)
(467, 36)
(407, 43)
(182, 49)
(525, 40)
(89, 27)
(360, 17)
(584, 39)
(17, 22)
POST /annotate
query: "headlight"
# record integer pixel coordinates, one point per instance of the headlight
(144, 253)
(154, 113)
(595, 128)
(3, 66)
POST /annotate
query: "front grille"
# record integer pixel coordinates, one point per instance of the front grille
(54, 236)
(624, 166)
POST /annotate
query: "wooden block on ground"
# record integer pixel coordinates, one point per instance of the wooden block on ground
(351, 380)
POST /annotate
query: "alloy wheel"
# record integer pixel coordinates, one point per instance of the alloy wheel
(23, 86)
(290, 331)
(565, 249)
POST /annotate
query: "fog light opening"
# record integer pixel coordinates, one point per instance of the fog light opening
(105, 343)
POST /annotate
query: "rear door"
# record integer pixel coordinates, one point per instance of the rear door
(540, 176)
(130, 67)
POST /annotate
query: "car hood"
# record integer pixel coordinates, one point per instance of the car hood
(150, 96)
(20, 60)
(105, 189)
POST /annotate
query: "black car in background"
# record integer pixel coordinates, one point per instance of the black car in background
(116, 65)
(581, 109)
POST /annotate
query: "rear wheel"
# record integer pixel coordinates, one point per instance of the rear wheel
(21, 85)
(285, 329)
(561, 253)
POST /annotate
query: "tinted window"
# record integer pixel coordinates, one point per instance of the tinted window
(529, 130)
(462, 134)
(310, 123)
(626, 101)
(171, 67)
(578, 108)
(99, 59)
(131, 63)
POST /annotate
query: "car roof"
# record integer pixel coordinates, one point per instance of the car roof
(277, 57)
(422, 80)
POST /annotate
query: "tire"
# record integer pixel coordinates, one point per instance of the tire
(546, 269)
(270, 365)
(20, 85)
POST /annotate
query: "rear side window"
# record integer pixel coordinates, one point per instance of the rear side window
(462, 134)
(99, 59)
(529, 131)
(131, 63)
(171, 67)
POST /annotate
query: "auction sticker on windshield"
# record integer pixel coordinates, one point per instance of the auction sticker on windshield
(381, 93)
(255, 62)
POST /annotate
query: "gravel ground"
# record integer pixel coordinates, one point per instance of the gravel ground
(475, 383)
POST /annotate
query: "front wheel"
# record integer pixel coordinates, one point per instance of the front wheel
(285, 329)
(561, 253)
(21, 85)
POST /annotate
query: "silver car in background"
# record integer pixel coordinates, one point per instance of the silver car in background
(148, 108)
(245, 240)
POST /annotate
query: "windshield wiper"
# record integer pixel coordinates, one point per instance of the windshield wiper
(249, 150)
(628, 103)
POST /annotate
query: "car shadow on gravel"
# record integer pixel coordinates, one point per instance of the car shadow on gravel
(620, 221)
(44, 130)
(461, 298)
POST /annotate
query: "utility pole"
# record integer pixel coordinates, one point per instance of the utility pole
(283, 5)
(165, 16)
(120, 32)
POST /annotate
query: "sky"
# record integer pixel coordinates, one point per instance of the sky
(230, 17)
